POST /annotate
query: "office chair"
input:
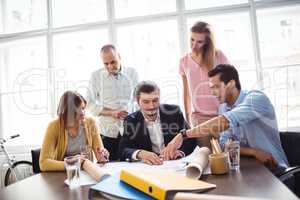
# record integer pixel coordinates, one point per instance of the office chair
(290, 143)
(35, 155)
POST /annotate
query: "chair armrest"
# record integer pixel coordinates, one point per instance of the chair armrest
(288, 172)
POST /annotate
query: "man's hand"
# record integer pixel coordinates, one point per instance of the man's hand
(178, 154)
(116, 113)
(149, 157)
(170, 151)
(266, 158)
(119, 114)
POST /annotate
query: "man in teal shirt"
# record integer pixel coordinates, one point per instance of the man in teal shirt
(246, 116)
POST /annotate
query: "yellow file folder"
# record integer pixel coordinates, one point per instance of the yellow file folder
(162, 184)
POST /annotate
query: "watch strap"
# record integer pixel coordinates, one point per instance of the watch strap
(183, 134)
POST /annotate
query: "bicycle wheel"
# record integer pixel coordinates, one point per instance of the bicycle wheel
(19, 171)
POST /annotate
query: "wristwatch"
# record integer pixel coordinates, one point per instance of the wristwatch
(183, 133)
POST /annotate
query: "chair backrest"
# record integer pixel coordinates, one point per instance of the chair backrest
(290, 143)
(35, 155)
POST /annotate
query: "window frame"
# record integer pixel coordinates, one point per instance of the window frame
(181, 14)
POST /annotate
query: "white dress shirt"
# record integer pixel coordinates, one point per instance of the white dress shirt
(111, 91)
(156, 136)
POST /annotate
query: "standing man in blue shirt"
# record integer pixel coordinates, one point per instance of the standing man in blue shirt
(247, 116)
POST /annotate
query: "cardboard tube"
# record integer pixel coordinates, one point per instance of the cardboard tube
(198, 163)
(93, 170)
(194, 170)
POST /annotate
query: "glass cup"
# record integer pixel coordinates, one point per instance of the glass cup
(87, 152)
(233, 150)
(72, 164)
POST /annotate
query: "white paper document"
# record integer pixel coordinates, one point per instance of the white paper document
(199, 157)
(116, 167)
(84, 178)
(193, 166)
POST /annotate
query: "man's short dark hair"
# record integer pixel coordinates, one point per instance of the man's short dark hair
(145, 87)
(227, 73)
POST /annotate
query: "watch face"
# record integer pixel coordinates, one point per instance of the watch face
(183, 133)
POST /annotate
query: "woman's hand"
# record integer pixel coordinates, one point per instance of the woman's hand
(102, 155)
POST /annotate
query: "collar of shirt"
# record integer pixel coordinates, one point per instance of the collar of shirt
(116, 76)
(155, 134)
(157, 120)
(237, 102)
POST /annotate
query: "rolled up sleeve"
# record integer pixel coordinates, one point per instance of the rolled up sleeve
(255, 105)
(226, 135)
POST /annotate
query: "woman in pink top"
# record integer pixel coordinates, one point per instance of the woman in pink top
(199, 104)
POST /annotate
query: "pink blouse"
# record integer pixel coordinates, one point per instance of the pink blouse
(203, 102)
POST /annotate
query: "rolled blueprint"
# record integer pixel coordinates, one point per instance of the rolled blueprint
(198, 161)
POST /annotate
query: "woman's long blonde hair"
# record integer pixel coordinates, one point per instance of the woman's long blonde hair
(209, 50)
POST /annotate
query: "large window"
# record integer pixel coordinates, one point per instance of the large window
(233, 38)
(131, 8)
(194, 4)
(280, 52)
(24, 99)
(1, 19)
(279, 30)
(70, 12)
(25, 15)
(152, 44)
(50, 46)
(76, 56)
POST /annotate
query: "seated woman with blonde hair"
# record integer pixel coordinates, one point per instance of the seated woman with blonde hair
(67, 135)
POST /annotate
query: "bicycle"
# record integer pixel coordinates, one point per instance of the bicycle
(17, 170)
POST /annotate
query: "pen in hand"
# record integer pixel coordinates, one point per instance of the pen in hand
(103, 155)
